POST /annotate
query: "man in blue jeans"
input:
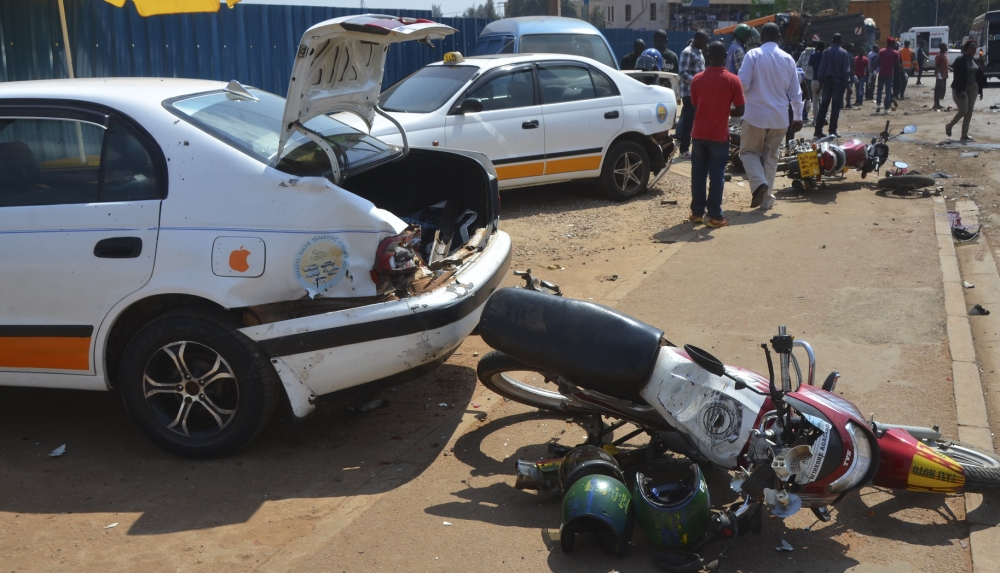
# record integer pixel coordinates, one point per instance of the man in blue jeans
(886, 63)
(692, 63)
(717, 95)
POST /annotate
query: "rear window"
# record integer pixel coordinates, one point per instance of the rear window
(586, 45)
(490, 45)
(254, 127)
(426, 89)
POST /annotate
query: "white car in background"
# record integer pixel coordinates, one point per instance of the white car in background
(541, 118)
(201, 246)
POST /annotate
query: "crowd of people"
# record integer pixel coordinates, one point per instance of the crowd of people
(773, 90)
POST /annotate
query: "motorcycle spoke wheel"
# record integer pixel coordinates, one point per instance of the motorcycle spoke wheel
(982, 469)
(521, 383)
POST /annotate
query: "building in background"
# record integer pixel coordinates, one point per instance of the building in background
(655, 14)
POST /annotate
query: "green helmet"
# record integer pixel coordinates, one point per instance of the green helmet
(743, 33)
(676, 515)
(583, 461)
(602, 505)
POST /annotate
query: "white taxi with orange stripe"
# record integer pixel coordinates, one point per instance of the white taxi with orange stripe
(541, 118)
(205, 247)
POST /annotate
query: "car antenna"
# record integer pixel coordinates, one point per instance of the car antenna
(238, 91)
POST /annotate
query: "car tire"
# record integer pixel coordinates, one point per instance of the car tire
(196, 386)
(626, 171)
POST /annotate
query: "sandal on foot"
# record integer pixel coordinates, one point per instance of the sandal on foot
(716, 223)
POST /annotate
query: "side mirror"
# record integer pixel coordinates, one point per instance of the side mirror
(470, 105)
(910, 129)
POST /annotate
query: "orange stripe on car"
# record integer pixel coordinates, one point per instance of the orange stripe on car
(53, 352)
(572, 164)
(533, 169)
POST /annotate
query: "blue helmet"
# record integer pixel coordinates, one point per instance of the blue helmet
(650, 61)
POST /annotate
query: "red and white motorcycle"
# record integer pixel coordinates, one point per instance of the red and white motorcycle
(807, 163)
(790, 445)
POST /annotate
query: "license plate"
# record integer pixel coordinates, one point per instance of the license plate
(808, 164)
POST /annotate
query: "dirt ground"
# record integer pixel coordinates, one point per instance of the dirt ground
(294, 500)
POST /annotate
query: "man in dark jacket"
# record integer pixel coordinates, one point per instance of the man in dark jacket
(638, 47)
(835, 72)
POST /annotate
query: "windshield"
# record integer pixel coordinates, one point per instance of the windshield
(587, 45)
(426, 89)
(254, 128)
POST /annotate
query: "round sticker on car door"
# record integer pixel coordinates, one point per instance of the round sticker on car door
(321, 263)
(661, 113)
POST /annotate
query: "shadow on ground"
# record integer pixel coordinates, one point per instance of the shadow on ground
(870, 517)
(110, 467)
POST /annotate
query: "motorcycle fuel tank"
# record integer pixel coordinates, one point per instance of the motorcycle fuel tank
(706, 408)
(855, 152)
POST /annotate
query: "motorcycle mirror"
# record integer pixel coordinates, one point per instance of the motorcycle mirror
(680, 562)
(910, 129)
(901, 165)
(705, 360)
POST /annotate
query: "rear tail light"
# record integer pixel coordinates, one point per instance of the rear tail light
(398, 254)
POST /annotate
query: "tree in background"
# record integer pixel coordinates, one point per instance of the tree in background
(596, 17)
(517, 8)
(436, 11)
(487, 10)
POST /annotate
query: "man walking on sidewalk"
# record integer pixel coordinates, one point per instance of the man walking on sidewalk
(770, 84)
(941, 75)
(692, 62)
(717, 95)
(835, 72)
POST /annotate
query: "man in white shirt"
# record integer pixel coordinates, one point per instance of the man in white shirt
(770, 85)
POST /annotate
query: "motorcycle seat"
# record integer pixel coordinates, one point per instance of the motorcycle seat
(590, 345)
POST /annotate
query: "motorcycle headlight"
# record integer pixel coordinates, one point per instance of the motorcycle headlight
(862, 452)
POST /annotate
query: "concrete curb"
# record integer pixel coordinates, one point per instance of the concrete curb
(973, 421)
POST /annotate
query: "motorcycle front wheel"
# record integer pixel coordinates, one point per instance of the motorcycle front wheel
(907, 182)
(508, 377)
(982, 469)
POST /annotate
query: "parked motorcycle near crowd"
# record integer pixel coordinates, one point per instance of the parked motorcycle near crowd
(808, 162)
(790, 446)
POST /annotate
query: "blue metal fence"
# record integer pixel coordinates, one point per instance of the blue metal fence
(253, 43)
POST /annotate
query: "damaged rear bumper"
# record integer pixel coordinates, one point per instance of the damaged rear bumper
(335, 351)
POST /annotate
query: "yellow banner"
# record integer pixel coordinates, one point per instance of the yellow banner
(161, 7)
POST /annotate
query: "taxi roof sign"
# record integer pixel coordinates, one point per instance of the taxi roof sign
(454, 58)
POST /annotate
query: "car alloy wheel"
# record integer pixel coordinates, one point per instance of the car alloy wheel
(191, 389)
(626, 171)
(197, 386)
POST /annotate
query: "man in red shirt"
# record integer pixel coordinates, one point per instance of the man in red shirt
(887, 60)
(716, 95)
(941, 75)
(861, 71)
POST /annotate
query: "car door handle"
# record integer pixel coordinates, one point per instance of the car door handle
(530, 124)
(611, 115)
(118, 248)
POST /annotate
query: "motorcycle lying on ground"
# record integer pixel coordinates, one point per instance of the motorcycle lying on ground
(789, 446)
(807, 163)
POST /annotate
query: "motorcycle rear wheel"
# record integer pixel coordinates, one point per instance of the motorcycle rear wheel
(982, 469)
(508, 377)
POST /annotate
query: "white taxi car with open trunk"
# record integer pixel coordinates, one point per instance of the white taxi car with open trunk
(201, 246)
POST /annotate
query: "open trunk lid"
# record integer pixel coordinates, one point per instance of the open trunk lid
(340, 63)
